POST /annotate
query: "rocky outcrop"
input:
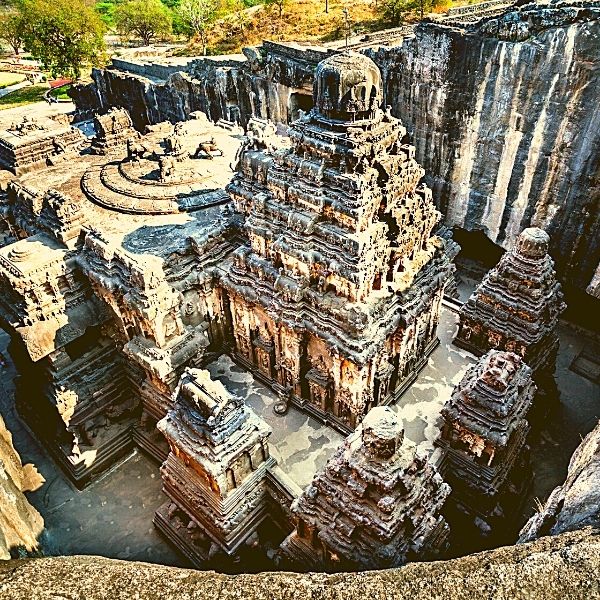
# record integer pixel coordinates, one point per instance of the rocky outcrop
(502, 121)
(576, 503)
(20, 523)
(501, 113)
(552, 568)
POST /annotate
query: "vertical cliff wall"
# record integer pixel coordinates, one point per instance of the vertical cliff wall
(20, 523)
(504, 115)
(506, 121)
(576, 503)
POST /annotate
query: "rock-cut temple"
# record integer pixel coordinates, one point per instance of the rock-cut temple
(308, 260)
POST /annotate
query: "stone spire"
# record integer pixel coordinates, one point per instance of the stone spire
(484, 454)
(375, 505)
(336, 300)
(215, 472)
(517, 306)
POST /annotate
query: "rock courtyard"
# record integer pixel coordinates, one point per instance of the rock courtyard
(245, 345)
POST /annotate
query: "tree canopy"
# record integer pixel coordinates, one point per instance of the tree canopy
(11, 29)
(145, 19)
(64, 35)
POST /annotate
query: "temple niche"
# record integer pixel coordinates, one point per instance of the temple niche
(335, 301)
(375, 505)
(517, 307)
(484, 454)
(215, 473)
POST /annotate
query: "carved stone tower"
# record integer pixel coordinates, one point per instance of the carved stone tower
(215, 472)
(336, 300)
(516, 308)
(375, 505)
(485, 458)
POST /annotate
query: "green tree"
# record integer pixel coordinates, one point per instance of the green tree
(280, 4)
(199, 15)
(64, 35)
(144, 19)
(11, 29)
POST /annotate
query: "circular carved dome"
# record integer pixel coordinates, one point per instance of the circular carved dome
(347, 87)
(382, 432)
(533, 242)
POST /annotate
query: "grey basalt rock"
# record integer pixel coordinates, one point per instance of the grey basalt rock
(576, 503)
(552, 568)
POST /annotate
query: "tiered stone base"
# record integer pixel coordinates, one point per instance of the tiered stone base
(116, 443)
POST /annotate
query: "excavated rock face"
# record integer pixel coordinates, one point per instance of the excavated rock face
(500, 113)
(375, 504)
(337, 298)
(20, 523)
(215, 472)
(553, 568)
(517, 305)
(576, 503)
(484, 455)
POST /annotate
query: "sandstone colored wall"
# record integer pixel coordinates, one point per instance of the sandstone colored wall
(561, 567)
(20, 523)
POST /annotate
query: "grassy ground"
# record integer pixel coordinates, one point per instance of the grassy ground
(23, 96)
(61, 92)
(7, 79)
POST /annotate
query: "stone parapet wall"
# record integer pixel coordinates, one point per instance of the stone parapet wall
(552, 568)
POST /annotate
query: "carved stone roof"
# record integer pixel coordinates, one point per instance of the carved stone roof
(347, 87)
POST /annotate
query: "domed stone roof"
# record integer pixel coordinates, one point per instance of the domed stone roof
(347, 87)
(533, 242)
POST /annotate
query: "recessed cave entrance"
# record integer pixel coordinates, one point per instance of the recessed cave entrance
(299, 101)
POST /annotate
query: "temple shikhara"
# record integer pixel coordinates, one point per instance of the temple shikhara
(375, 505)
(485, 458)
(336, 299)
(517, 306)
(254, 310)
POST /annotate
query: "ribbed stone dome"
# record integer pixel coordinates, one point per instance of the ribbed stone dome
(382, 431)
(347, 87)
(533, 242)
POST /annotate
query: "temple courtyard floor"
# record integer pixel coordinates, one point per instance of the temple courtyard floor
(113, 516)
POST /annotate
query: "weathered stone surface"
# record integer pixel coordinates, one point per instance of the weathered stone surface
(499, 112)
(552, 568)
(576, 503)
(33, 143)
(216, 470)
(375, 505)
(484, 456)
(20, 523)
(517, 306)
(337, 298)
(105, 307)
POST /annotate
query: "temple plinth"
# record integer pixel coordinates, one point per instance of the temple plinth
(335, 301)
(375, 505)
